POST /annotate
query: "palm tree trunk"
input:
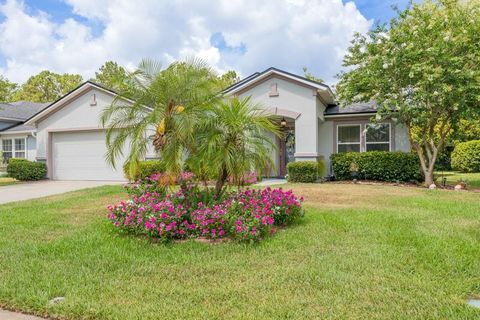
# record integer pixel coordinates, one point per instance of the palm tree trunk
(221, 182)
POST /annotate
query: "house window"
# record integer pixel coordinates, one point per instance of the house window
(363, 137)
(377, 137)
(20, 148)
(13, 148)
(348, 138)
(7, 149)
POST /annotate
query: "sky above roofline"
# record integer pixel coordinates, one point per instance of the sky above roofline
(78, 36)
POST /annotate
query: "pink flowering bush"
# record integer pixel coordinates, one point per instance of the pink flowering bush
(211, 222)
(146, 215)
(249, 215)
(255, 212)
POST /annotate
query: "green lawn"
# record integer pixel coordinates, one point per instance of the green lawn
(362, 252)
(453, 177)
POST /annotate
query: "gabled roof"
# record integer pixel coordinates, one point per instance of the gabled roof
(20, 110)
(52, 107)
(259, 76)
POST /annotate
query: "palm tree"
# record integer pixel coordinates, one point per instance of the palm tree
(160, 105)
(232, 139)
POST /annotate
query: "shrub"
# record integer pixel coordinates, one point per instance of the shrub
(321, 168)
(466, 156)
(146, 215)
(24, 170)
(377, 165)
(248, 215)
(303, 171)
(210, 222)
(145, 169)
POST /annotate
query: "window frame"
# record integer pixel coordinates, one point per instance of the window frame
(359, 143)
(363, 124)
(13, 152)
(24, 150)
(380, 142)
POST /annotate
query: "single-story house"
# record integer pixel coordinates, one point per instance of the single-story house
(70, 139)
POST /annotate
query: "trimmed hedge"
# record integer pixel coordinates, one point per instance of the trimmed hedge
(377, 165)
(146, 169)
(466, 156)
(304, 171)
(24, 170)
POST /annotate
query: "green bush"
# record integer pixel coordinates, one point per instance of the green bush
(377, 165)
(24, 170)
(145, 169)
(466, 156)
(303, 171)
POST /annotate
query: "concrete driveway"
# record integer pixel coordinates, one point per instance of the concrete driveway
(33, 190)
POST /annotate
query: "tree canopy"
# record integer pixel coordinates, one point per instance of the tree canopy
(7, 89)
(111, 75)
(228, 78)
(310, 76)
(422, 71)
(47, 86)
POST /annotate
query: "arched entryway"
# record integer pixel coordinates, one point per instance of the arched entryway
(286, 145)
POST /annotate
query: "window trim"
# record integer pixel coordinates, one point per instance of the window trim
(380, 142)
(363, 125)
(359, 137)
(14, 149)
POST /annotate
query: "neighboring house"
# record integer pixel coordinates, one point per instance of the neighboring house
(70, 139)
(16, 139)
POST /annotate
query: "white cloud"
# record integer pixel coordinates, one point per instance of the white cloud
(287, 34)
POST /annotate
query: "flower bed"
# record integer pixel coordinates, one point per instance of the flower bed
(248, 215)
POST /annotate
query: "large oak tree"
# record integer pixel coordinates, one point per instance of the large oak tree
(423, 71)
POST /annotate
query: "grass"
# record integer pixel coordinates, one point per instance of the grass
(5, 181)
(361, 252)
(454, 177)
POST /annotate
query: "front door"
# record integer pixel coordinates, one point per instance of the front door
(286, 150)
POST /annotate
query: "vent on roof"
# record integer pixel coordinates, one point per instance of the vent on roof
(273, 90)
(93, 100)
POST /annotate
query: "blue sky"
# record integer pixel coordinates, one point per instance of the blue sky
(77, 36)
(378, 10)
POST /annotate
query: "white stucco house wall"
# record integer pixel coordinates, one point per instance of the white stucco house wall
(67, 134)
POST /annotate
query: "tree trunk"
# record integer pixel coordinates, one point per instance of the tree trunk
(428, 177)
(221, 182)
(427, 163)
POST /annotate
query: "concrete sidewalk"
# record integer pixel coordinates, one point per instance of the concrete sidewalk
(8, 315)
(271, 182)
(38, 189)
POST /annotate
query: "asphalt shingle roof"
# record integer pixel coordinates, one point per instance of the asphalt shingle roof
(20, 110)
(369, 107)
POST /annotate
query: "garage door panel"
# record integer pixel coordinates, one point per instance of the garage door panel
(81, 156)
